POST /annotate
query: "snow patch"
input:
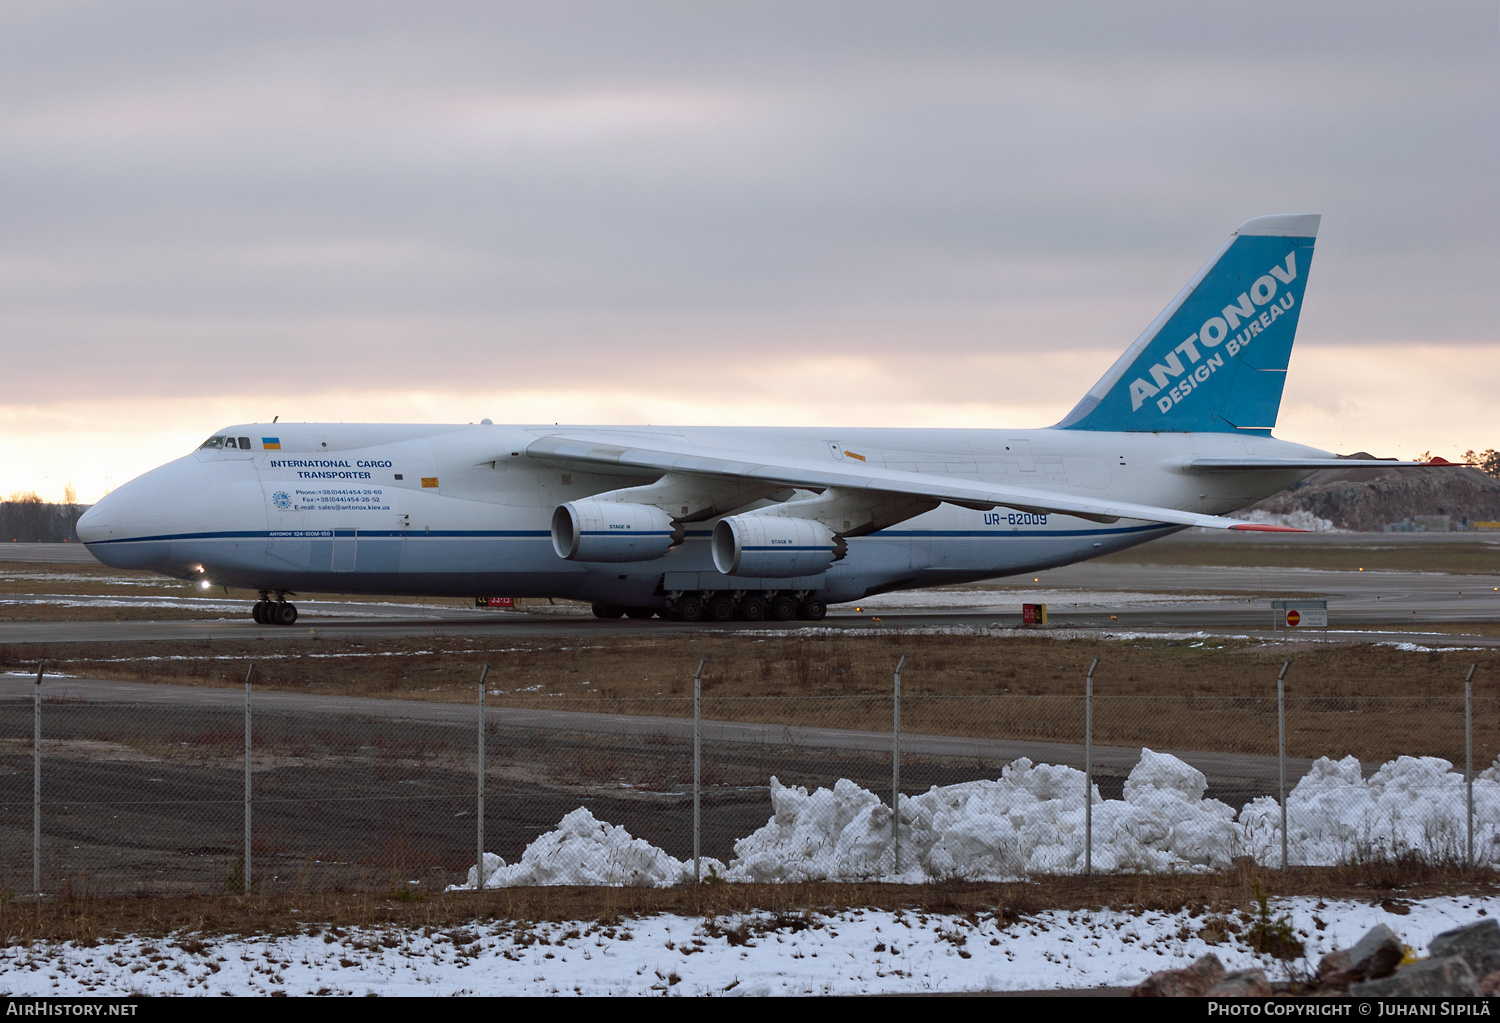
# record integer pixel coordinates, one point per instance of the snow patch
(857, 951)
(1009, 600)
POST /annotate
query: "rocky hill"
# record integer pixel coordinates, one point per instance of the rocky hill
(1368, 499)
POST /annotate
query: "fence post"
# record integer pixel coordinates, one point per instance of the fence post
(1088, 770)
(896, 767)
(246, 874)
(36, 781)
(1469, 761)
(479, 825)
(1281, 752)
(697, 765)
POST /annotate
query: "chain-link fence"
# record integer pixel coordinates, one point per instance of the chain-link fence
(178, 789)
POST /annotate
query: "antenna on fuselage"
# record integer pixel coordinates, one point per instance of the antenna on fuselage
(274, 418)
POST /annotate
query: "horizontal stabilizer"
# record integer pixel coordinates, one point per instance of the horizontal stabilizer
(1233, 464)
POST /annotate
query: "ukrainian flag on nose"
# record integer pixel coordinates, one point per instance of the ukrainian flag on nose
(271, 443)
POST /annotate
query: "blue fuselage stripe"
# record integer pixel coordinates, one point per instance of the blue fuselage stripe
(312, 534)
(511, 534)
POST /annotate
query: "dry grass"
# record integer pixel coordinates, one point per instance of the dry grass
(84, 578)
(1373, 702)
(81, 918)
(61, 613)
(1444, 628)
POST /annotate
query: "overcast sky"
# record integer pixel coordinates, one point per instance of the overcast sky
(915, 214)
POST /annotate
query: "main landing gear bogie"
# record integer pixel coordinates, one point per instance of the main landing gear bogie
(783, 607)
(746, 606)
(274, 612)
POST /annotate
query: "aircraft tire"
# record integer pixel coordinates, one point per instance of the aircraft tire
(608, 610)
(752, 608)
(639, 612)
(783, 608)
(719, 608)
(285, 613)
(258, 612)
(690, 609)
(812, 610)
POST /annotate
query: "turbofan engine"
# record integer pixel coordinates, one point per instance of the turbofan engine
(774, 547)
(613, 531)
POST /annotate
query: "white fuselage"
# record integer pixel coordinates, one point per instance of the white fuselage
(464, 511)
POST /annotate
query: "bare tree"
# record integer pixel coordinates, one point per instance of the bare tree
(26, 518)
(1487, 461)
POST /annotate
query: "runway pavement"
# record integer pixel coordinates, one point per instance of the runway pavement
(53, 553)
(1091, 595)
(1100, 596)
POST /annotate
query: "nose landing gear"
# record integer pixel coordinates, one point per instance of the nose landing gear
(274, 612)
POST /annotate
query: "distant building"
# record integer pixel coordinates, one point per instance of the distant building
(1423, 524)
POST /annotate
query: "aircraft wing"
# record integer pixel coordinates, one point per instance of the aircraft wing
(599, 452)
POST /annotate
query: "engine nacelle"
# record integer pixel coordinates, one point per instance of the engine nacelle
(612, 531)
(762, 545)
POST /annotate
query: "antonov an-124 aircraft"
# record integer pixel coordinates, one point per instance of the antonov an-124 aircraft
(714, 523)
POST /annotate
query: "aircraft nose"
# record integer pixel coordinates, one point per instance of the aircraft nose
(100, 529)
(125, 528)
(93, 525)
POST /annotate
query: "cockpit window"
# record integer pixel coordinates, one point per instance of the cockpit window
(213, 442)
(244, 443)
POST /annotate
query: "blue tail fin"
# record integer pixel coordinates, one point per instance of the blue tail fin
(1216, 357)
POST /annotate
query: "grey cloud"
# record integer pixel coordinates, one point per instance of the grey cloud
(366, 179)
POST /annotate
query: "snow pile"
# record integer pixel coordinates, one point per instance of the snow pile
(585, 850)
(1032, 821)
(1411, 805)
(840, 832)
(1164, 823)
(1298, 518)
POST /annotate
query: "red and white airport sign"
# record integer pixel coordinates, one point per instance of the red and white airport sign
(1302, 614)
